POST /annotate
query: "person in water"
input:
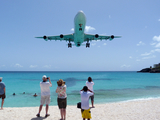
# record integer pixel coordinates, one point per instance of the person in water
(35, 95)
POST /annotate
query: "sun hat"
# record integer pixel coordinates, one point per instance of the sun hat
(44, 77)
(60, 82)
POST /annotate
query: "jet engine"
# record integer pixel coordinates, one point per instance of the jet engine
(96, 35)
(45, 38)
(61, 35)
(112, 37)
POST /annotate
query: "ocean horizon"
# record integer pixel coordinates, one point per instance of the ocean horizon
(110, 86)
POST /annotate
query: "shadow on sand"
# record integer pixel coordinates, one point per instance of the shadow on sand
(38, 118)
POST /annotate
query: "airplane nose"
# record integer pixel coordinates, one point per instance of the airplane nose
(80, 11)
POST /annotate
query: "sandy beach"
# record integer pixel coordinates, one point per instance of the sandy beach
(132, 110)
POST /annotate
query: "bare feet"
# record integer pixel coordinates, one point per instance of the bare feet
(1, 109)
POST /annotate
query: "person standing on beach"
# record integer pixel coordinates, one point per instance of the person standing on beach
(45, 94)
(2, 92)
(90, 84)
(62, 98)
(85, 110)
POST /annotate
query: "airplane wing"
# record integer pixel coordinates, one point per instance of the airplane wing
(68, 37)
(91, 37)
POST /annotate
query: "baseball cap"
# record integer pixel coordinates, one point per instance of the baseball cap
(44, 77)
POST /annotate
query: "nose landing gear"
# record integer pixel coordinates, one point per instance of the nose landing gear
(87, 44)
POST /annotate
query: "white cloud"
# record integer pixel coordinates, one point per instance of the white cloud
(18, 65)
(87, 29)
(152, 43)
(130, 57)
(156, 38)
(138, 60)
(93, 44)
(72, 29)
(47, 66)
(105, 44)
(126, 66)
(149, 54)
(97, 40)
(140, 43)
(149, 57)
(157, 50)
(109, 16)
(159, 20)
(3, 66)
(146, 54)
(158, 45)
(33, 66)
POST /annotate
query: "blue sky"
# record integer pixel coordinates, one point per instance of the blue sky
(137, 21)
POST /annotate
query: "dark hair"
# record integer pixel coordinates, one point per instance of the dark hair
(59, 84)
(85, 88)
(89, 79)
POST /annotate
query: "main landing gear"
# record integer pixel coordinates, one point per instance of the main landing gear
(69, 45)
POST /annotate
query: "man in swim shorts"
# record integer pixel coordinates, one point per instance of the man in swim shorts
(85, 110)
(45, 94)
(2, 92)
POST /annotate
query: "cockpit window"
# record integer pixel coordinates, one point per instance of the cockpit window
(80, 25)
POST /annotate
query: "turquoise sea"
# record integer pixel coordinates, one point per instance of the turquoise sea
(109, 86)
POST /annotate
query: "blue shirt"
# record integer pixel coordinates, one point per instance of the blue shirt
(2, 86)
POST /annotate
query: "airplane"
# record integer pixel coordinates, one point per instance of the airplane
(78, 37)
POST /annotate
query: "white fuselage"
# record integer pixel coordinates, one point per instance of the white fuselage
(79, 27)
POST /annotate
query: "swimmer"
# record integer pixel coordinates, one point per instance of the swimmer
(35, 95)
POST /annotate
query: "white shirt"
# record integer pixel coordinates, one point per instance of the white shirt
(90, 85)
(45, 90)
(61, 91)
(85, 99)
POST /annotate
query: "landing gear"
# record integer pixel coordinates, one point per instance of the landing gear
(87, 44)
(69, 45)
